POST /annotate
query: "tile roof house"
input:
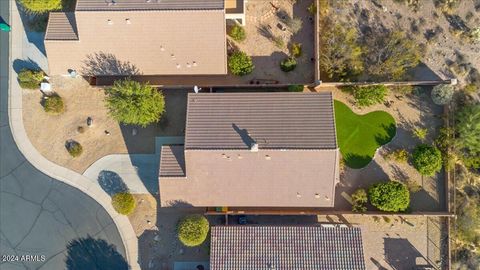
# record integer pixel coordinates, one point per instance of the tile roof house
(253, 150)
(140, 37)
(286, 248)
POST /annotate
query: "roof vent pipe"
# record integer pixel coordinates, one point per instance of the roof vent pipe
(254, 147)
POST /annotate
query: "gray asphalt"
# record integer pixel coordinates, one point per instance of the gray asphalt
(56, 225)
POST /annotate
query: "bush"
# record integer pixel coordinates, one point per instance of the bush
(123, 202)
(238, 33)
(413, 186)
(402, 89)
(288, 64)
(30, 79)
(389, 196)
(442, 94)
(427, 159)
(294, 24)
(312, 9)
(279, 42)
(296, 50)
(420, 133)
(399, 155)
(470, 88)
(369, 95)
(193, 230)
(134, 103)
(240, 64)
(295, 88)
(359, 200)
(41, 6)
(53, 104)
(468, 139)
(74, 148)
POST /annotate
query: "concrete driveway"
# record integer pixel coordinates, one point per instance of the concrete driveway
(44, 223)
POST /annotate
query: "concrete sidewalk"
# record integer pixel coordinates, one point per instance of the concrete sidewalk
(21, 51)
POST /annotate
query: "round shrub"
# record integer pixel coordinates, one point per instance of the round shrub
(442, 94)
(240, 64)
(193, 230)
(53, 104)
(288, 64)
(29, 78)
(74, 148)
(296, 50)
(123, 203)
(359, 200)
(295, 88)
(389, 196)
(370, 95)
(41, 6)
(237, 33)
(427, 159)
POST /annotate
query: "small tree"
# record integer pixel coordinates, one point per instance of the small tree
(288, 64)
(389, 196)
(74, 148)
(359, 200)
(135, 103)
(41, 6)
(53, 104)
(30, 79)
(193, 230)
(369, 95)
(468, 139)
(240, 64)
(427, 159)
(442, 94)
(123, 202)
(237, 33)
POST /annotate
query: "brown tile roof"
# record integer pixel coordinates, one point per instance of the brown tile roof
(280, 120)
(172, 161)
(61, 26)
(156, 42)
(297, 169)
(286, 248)
(116, 5)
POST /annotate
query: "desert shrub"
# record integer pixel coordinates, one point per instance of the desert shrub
(80, 129)
(413, 186)
(296, 50)
(295, 88)
(123, 202)
(340, 52)
(359, 200)
(475, 34)
(288, 64)
(193, 230)
(470, 88)
(312, 8)
(240, 64)
(468, 135)
(30, 79)
(134, 103)
(74, 148)
(445, 142)
(237, 33)
(427, 159)
(398, 155)
(420, 133)
(442, 94)
(41, 6)
(53, 104)
(369, 95)
(390, 55)
(279, 42)
(389, 196)
(294, 24)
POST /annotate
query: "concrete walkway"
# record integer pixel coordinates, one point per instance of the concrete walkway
(68, 204)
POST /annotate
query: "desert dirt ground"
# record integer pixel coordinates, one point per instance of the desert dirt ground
(410, 112)
(448, 54)
(48, 133)
(266, 56)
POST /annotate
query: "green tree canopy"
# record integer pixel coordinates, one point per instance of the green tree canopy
(389, 196)
(193, 230)
(427, 159)
(240, 64)
(123, 202)
(135, 103)
(468, 138)
(41, 6)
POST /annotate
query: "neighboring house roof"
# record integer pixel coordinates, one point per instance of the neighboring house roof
(275, 121)
(296, 168)
(172, 161)
(286, 248)
(142, 42)
(61, 26)
(116, 5)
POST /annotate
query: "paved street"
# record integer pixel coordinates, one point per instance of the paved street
(60, 226)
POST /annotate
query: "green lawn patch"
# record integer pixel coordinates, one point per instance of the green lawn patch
(359, 136)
